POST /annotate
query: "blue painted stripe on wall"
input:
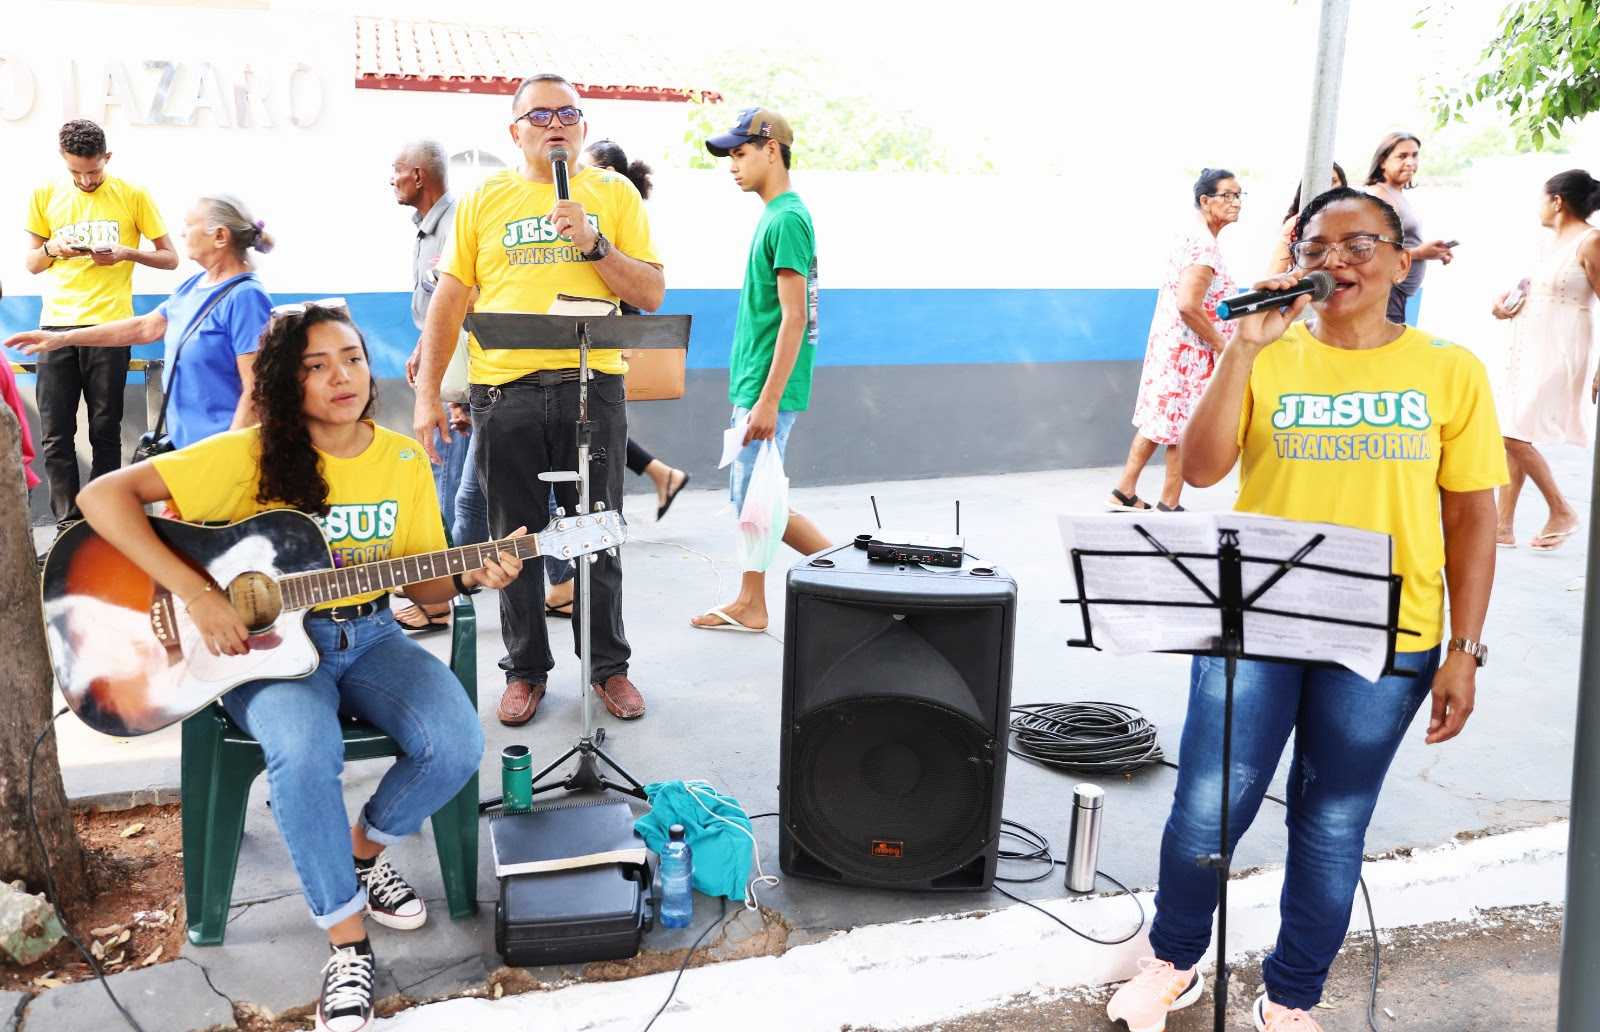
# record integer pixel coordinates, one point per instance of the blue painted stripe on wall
(858, 327)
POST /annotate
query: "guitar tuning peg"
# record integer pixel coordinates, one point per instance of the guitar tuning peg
(612, 552)
(593, 557)
(599, 506)
(560, 511)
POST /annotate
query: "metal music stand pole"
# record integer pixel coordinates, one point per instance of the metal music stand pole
(519, 330)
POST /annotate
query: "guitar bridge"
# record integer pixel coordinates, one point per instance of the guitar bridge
(164, 619)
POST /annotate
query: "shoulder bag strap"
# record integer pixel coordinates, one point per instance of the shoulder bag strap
(194, 324)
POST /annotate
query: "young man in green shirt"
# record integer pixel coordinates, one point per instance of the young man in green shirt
(774, 338)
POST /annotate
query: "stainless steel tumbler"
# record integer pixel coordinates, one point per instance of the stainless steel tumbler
(1083, 847)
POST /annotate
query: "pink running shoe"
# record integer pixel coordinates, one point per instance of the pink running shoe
(1142, 1005)
(1272, 1018)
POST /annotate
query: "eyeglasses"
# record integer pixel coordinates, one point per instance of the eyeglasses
(542, 116)
(302, 307)
(1233, 198)
(1356, 250)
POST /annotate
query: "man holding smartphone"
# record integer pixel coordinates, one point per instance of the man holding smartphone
(83, 235)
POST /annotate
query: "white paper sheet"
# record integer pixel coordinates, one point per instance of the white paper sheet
(733, 441)
(1301, 593)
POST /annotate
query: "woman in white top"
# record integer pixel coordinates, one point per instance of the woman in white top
(1551, 343)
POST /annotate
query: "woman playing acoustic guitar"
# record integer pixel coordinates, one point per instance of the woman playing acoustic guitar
(317, 451)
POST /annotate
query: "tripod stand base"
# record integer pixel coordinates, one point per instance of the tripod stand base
(587, 777)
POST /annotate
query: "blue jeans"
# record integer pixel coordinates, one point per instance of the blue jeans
(744, 462)
(1346, 731)
(447, 474)
(471, 523)
(371, 670)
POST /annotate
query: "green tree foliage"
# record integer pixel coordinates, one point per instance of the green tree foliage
(838, 125)
(1543, 68)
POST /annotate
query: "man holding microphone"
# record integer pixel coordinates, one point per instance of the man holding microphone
(521, 244)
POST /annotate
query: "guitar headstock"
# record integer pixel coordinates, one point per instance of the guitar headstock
(567, 537)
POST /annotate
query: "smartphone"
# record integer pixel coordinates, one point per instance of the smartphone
(102, 248)
(1514, 299)
(1452, 244)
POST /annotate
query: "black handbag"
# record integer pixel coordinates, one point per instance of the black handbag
(158, 441)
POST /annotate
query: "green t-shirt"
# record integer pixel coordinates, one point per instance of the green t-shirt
(784, 240)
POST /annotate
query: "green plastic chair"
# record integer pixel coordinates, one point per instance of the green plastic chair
(220, 761)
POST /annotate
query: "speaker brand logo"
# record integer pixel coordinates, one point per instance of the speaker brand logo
(888, 850)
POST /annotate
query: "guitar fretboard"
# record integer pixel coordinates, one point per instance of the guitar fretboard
(305, 590)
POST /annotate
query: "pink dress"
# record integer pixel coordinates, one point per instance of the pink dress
(1177, 363)
(1546, 396)
(8, 392)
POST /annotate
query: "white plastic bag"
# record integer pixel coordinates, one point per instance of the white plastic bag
(766, 510)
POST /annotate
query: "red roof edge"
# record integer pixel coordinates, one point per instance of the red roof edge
(506, 87)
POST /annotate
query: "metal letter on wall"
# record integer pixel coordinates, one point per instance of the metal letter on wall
(17, 87)
(304, 114)
(158, 101)
(250, 93)
(208, 94)
(118, 90)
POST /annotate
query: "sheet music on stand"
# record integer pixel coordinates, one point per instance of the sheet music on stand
(1319, 609)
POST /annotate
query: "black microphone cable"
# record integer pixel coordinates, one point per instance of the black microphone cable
(49, 880)
(1084, 737)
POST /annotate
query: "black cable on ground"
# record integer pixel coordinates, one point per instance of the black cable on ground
(1084, 737)
(722, 914)
(49, 880)
(1040, 852)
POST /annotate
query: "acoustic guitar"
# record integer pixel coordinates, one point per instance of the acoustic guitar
(130, 661)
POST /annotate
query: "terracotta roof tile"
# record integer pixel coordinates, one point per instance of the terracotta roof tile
(452, 57)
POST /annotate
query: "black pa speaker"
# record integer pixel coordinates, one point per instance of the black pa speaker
(896, 691)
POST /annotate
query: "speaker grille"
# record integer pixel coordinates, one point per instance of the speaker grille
(891, 789)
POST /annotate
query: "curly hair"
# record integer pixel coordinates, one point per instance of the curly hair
(609, 154)
(291, 473)
(83, 139)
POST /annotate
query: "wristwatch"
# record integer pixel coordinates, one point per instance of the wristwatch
(602, 247)
(1476, 649)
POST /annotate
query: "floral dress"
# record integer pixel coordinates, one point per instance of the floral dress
(1177, 363)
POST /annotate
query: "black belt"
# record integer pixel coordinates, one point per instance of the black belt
(552, 377)
(342, 613)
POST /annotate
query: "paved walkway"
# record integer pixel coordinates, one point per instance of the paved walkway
(713, 713)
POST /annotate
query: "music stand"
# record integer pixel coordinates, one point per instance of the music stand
(521, 330)
(1372, 610)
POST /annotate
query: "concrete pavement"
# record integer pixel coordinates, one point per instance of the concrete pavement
(713, 713)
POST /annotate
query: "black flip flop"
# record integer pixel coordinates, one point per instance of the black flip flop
(564, 610)
(434, 622)
(671, 494)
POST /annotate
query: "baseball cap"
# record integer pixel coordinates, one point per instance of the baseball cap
(755, 125)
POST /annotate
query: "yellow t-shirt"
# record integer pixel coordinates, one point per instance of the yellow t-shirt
(1367, 439)
(383, 504)
(504, 242)
(77, 292)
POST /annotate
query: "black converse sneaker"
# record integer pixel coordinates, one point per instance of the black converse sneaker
(390, 900)
(346, 1004)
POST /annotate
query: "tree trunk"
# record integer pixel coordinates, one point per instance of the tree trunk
(25, 686)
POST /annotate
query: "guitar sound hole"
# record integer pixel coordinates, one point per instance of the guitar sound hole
(256, 598)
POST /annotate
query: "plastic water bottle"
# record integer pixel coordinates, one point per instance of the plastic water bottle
(677, 870)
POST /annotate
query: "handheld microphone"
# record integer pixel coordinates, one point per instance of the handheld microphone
(558, 165)
(1319, 284)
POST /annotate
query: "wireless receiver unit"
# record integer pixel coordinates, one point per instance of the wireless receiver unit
(892, 546)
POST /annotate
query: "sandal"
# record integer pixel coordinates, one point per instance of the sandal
(408, 619)
(1127, 503)
(564, 609)
(672, 492)
(1163, 507)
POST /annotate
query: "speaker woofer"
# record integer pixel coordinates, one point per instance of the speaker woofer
(891, 789)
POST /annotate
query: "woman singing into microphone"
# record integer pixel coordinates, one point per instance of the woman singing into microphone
(1434, 496)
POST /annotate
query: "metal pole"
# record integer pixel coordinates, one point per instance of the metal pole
(1318, 168)
(1579, 997)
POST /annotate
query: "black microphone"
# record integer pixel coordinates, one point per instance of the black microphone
(1319, 284)
(558, 165)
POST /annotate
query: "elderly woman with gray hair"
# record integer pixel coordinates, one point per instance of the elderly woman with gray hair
(214, 318)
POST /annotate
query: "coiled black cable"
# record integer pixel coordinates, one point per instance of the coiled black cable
(1084, 737)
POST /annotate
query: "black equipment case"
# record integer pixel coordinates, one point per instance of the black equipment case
(573, 916)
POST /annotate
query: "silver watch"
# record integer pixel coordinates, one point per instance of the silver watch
(1476, 649)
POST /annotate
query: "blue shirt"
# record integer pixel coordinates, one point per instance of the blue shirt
(203, 385)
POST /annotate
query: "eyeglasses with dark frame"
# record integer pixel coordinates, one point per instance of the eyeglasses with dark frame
(1232, 197)
(302, 307)
(542, 116)
(1356, 249)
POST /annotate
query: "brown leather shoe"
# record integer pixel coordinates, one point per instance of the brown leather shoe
(519, 703)
(621, 697)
